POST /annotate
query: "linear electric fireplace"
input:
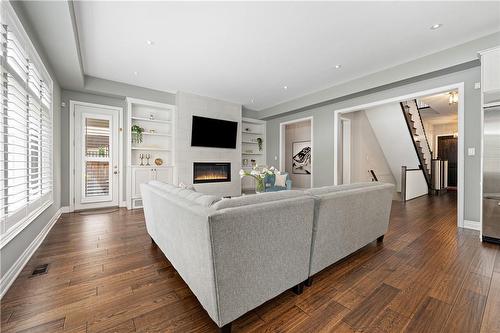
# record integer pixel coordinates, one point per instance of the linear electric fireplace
(218, 172)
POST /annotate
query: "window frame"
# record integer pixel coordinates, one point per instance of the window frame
(41, 204)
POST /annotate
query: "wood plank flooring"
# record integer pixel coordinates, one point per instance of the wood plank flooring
(105, 276)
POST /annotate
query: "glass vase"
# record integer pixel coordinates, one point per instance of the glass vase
(259, 185)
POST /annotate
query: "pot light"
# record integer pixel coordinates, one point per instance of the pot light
(452, 98)
(150, 42)
(285, 87)
(436, 26)
(135, 73)
(338, 66)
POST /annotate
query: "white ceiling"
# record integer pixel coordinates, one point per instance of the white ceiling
(440, 111)
(239, 51)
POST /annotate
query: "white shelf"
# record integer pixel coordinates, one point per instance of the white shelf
(254, 143)
(156, 134)
(152, 166)
(150, 148)
(244, 132)
(151, 120)
(251, 153)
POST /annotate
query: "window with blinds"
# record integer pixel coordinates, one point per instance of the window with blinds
(25, 128)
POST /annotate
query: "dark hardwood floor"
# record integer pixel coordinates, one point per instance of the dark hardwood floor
(105, 276)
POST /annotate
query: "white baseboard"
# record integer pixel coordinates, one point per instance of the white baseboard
(10, 276)
(65, 209)
(123, 204)
(474, 225)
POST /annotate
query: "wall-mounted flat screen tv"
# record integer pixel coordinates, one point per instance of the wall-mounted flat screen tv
(215, 133)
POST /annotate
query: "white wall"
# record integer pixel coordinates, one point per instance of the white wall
(187, 106)
(366, 153)
(295, 132)
(390, 128)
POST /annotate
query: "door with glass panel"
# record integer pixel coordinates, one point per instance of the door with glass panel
(96, 157)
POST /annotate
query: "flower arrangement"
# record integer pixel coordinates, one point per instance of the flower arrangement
(259, 173)
(259, 143)
(136, 133)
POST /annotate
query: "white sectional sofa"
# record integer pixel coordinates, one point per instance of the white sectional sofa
(237, 253)
(234, 254)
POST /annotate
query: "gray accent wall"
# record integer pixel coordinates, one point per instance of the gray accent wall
(14, 249)
(323, 166)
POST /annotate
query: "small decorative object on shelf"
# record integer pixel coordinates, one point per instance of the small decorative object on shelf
(259, 143)
(259, 173)
(158, 161)
(137, 133)
(152, 131)
(248, 129)
(253, 162)
(151, 117)
(245, 161)
(141, 156)
(148, 156)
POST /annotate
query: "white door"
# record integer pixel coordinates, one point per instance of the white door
(96, 157)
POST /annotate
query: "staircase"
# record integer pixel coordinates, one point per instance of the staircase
(417, 132)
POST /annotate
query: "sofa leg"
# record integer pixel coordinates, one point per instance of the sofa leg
(153, 241)
(226, 328)
(380, 239)
(309, 281)
(298, 289)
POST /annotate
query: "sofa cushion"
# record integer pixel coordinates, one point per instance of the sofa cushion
(256, 199)
(186, 194)
(338, 188)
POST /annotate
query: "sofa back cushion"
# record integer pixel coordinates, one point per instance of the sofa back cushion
(204, 200)
(256, 199)
(338, 188)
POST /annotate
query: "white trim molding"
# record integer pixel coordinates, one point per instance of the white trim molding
(474, 225)
(10, 276)
(282, 156)
(461, 122)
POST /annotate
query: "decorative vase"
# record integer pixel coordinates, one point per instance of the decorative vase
(259, 185)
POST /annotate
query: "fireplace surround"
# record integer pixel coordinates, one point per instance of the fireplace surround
(211, 172)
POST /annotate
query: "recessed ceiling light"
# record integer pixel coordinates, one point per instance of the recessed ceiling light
(150, 42)
(252, 100)
(135, 73)
(285, 87)
(338, 66)
(436, 26)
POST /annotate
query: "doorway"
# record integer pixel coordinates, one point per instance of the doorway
(345, 151)
(95, 156)
(296, 151)
(447, 150)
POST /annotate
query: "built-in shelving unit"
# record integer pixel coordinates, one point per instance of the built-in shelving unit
(252, 130)
(157, 120)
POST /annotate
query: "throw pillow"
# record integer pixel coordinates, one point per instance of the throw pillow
(280, 180)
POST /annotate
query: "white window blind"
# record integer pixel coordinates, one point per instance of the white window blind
(25, 129)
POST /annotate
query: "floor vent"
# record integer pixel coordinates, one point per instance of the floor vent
(40, 269)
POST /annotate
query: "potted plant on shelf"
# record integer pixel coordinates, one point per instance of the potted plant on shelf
(137, 134)
(259, 143)
(259, 174)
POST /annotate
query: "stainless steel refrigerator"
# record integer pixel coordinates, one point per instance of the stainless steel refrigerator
(491, 175)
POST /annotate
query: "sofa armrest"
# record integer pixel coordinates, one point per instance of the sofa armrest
(259, 251)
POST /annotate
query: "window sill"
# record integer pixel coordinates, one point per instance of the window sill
(13, 232)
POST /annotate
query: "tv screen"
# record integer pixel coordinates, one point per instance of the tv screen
(216, 133)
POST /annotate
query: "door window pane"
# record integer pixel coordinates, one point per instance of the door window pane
(97, 134)
(96, 179)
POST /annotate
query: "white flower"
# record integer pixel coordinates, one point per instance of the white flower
(254, 173)
(265, 170)
(272, 168)
(263, 176)
(242, 173)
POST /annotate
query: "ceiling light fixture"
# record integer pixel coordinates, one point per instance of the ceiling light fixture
(453, 98)
(338, 66)
(436, 26)
(150, 42)
(135, 73)
(285, 87)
